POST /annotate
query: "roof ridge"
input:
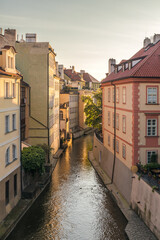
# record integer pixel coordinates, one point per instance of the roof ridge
(145, 59)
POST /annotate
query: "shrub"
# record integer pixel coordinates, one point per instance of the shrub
(33, 159)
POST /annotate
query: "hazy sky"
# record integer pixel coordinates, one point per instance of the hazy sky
(85, 33)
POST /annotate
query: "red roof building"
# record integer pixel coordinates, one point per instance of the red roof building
(131, 115)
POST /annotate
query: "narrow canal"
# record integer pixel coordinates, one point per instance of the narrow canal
(75, 206)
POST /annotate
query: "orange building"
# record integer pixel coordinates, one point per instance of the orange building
(131, 113)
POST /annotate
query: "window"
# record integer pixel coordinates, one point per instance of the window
(113, 143)
(152, 95)
(109, 140)
(113, 120)
(124, 124)
(15, 185)
(9, 62)
(109, 118)
(124, 94)
(7, 156)
(124, 151)
(117, 121)
(7, 89)
(13, 122)
(14, 152)
(149, 154)
(117, 95)
(117, 146)
(109, 94)
(7, 192)
(113, 94)
(151, 127)
(13, 90)
(7, 123)
(61, 115)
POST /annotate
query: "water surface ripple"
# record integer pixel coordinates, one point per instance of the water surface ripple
(75, 206)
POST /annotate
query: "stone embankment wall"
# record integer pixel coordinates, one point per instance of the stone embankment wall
(147, 204)
(122, 174)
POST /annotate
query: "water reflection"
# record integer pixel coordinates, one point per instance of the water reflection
(75, 206)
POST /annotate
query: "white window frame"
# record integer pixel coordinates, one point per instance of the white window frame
(124, 95)
(109, 140)
(152, 95)
(7, 156)
(109, 118)
(7, 89)
(124, 151)
(149, 158)
(14, 152)
(117, 146)
(117, 121)
(13, 121)
(109, 94)
(151, 127)
(7, 125)
(13, 90)
(124, 124)
(117, 95)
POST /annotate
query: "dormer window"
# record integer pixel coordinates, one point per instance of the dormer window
(134, 62)
(119, 68)
(129, 65)
(126, 66)
(9, 62)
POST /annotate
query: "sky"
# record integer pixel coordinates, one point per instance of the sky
(85, 33)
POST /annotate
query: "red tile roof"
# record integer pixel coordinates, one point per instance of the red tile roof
(88, 78)
(73, 75)
(149, 66)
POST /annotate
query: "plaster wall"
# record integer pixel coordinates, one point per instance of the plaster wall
(147, 204)
(122, 174)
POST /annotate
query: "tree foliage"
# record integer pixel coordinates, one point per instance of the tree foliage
(47, 149)
(33, 159)
(93, 109)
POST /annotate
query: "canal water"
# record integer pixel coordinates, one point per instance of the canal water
(75, 205)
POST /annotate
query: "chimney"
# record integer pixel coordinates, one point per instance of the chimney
(111, 64)
(73, 69)
(82, 71)
(61, 71)
(146, 42)
(156, 38)
(22, 40)
(10, 35)
(31, 37)
(0, 30)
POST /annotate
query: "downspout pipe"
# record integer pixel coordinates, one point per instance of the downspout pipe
(114, 159)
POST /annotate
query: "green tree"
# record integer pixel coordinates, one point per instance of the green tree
(33, 159)
(93, 109)
(47, 149)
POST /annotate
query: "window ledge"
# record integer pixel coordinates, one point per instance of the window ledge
(11, 162)
(152, 136)
(11, 131)
(152, 104)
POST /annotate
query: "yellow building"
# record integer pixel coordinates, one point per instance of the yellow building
(10, 186)
(36, 60)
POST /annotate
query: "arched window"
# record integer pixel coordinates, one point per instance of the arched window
(7, 156)
(14, 152)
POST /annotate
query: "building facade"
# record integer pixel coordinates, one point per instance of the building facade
(36, 60)
(10, 177)
(73, 101)
(90, 82)
(131, 114)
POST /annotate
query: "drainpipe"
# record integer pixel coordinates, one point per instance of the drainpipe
(114, 159)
